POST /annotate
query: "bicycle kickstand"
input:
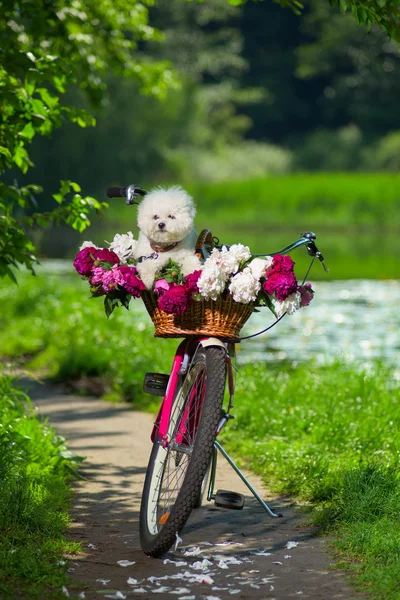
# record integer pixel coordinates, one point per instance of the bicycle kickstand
(211, 495)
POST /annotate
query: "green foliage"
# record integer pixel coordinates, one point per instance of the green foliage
(45, 47)
(385, 154)
(35, 468)
(330, 434)
(53, 321)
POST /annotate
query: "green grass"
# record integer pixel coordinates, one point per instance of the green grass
(330, 435)
(50, 323)
(356, 217)
(35, 469)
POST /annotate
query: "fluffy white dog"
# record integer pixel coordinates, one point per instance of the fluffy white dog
(165, 221)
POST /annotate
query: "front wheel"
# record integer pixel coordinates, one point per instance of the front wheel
(176, 471)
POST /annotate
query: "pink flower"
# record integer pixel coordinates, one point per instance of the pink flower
(281, 284)
(105, 255)
(282, 263)
(175, 300)
(307, 294)
(161, 286)
(84, 261)
(129, 280)
(191, 282)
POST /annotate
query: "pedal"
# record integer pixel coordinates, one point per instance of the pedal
(227, 499)
(155, 384)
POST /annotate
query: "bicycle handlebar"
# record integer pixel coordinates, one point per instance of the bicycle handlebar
(130, 192)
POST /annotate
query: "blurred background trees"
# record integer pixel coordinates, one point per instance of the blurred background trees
(196, 91)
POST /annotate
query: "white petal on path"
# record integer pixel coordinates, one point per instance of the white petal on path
(65, 591)
(103, 581)
(161, 590)
(291, 545)
(132, 581)
(178, 540)
(125, 563)
(193, 551)
(116, 596)
(177, 563)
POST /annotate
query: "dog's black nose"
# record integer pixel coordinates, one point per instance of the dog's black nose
(161, 225)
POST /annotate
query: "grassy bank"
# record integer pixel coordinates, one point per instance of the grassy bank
(327, 434)
(35, 468)
(330, 435)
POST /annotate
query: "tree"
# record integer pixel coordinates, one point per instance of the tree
(44, 48)
(384, 13)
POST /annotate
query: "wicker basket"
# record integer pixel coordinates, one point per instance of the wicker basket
(222, 318)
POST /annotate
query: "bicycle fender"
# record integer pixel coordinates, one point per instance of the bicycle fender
(212, 341)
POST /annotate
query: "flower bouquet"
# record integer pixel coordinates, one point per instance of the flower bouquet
(214, 300)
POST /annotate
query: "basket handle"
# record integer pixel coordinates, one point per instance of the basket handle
(204, 244)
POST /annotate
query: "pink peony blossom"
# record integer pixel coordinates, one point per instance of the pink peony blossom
(306, 293)
(175, 300)
(84, 261)
(191, 282)
(281, 284)
(105, 255)
(161, 286)
(129, 280)
(282, 263)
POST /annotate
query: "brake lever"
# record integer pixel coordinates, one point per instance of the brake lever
(313, 250)
(132, 192)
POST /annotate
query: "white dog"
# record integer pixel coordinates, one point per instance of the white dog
(165, 221)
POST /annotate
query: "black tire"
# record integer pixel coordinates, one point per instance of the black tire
(175, 474)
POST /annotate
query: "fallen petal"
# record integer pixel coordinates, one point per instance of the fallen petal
(65, 591)
(125, 563)
(291, 545)
(132, 581)
(103, 581)
(181, 591)
(193, 551)
(116, 596)
(277, 562)
(82, 595)
(288, 556)
(261, 553)
(92, 546)
(178, 540)
(177, 563)
(161, 590)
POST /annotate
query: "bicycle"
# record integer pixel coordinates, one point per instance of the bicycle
(191, 416)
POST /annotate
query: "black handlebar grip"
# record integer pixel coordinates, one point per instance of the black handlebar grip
(116, 191)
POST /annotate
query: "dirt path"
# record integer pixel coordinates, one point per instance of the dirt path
(249, 552)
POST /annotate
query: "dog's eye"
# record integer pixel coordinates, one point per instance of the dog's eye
(171, 217)
(156, 217)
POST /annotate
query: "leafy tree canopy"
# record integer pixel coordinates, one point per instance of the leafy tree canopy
(385, 13)
(44, 48)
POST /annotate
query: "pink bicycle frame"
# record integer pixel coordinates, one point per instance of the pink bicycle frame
(160, 429)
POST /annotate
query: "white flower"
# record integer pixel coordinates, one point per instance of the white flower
(260, 266)
(87, 245)
(244, 287)
(290, 305)
(212, 281)
(123, 245)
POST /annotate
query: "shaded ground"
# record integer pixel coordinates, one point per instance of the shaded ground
(250, 555)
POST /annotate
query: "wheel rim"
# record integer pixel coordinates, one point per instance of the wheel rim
(171, 462)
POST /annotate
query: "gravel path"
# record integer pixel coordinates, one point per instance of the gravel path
(224, 553)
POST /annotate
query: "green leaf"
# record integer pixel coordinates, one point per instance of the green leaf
(28, 131)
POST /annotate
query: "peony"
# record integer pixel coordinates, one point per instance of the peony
(212, 281)
(281, 284)
(282, 263)
(244, 287)
(174, 301)
(84, 261)
(306, 293)
(87, 245)
(191, 282)
(289, 306)
(161, 286)
(105, 255)
(124, 246)
(127, 278)
(260, 266)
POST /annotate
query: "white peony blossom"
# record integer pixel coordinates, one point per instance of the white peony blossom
(244, 287)
(123, 245)
(88, 245)
(212, 281)
(289, 306)
(260, 266)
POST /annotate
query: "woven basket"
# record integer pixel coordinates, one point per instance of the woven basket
(222, 318)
